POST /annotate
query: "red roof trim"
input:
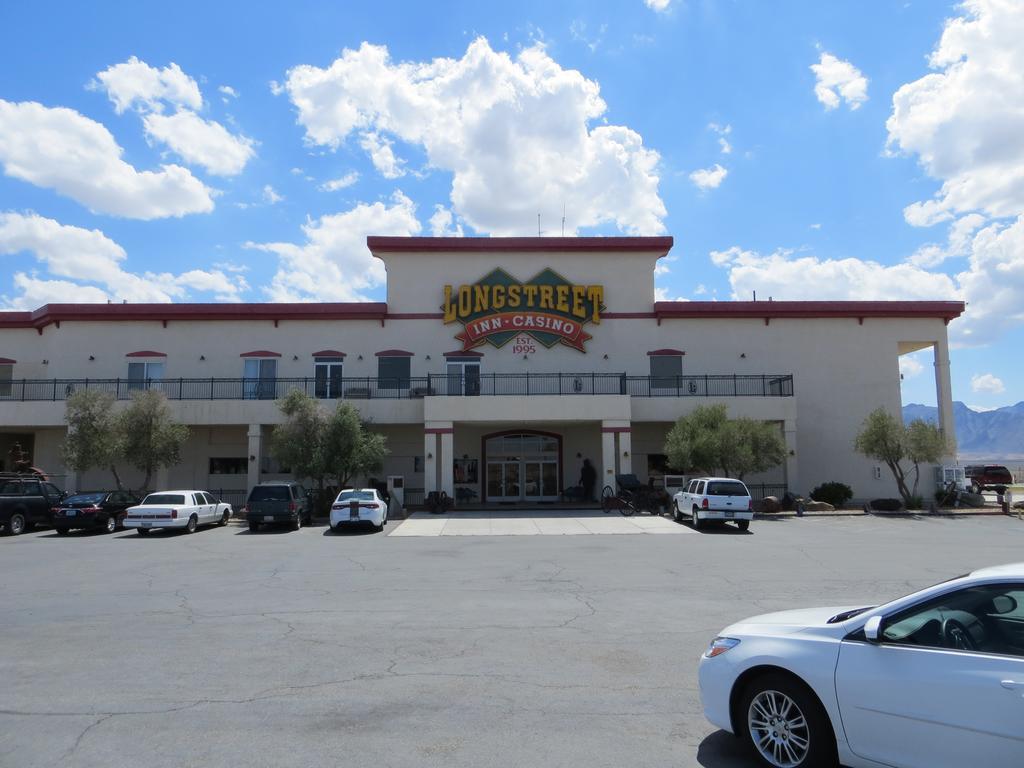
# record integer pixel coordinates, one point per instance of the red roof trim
(378, 244)
(947, 310)
(328, 353)
(7, 361)
(395, 353)
(146, 353)
(461, 353)
(666, 352)
(54, 313)
(260, 353)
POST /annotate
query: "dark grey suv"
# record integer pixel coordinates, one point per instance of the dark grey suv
(278, 504)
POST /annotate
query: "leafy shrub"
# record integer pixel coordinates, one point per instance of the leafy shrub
(886, 505)
(833, 493)
(915, 502)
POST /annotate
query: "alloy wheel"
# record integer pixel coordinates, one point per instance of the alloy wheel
(778, 729)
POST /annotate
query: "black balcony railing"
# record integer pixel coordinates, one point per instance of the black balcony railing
(374, 387)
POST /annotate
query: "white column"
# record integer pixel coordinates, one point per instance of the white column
(254, 455)
(625, 452)
(429, 463)
(607, 476)
(448, 463)
(944, 395)
(792, 478)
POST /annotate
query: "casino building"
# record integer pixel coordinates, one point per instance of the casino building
(495, 366)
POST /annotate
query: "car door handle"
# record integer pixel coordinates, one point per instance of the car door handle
(1011, 685)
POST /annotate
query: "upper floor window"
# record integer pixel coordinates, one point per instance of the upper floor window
(666, 369)
(260, 374)
(6, 377)
(328, 378)
(463, 375)
(393, 369)
(148, 370)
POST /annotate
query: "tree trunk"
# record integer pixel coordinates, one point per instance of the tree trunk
(117, 478)
(901, 482)
(149, 476)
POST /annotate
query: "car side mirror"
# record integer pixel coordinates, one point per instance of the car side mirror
(873, 629)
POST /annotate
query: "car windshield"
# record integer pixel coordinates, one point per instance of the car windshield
(355, 496)
(728, 488)
(85, 498)
(164, 498)
(270, 493)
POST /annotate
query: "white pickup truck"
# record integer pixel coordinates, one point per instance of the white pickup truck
(177, 509)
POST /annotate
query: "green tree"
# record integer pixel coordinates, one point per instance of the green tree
(885, 438)
(150, 438)
(708, 441)
(337, 445)
(93, 437)
(298, 443)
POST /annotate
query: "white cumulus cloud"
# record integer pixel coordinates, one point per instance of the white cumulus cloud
(964, 120)
(837, 81)
(198, 141)
(333, 185)
(201, 142)
(270, 195)
(658, 6)
(987, 383)
(60, 149)
(709, 178)
(334, 264)
(910, 366)
(519, 135)
(133, 84)
(442, 223)
(86, 265)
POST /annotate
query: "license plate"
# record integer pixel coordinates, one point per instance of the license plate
(70, 512)
(147, 525)
(268, 518)
(729, 513)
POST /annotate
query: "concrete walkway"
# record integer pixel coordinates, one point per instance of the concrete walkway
(561, 522)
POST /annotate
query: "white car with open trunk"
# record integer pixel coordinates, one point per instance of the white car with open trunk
(177, 509)
(714, 499)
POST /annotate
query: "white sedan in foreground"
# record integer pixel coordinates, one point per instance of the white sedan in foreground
(177, 509)
(931, 680)
(364, 505)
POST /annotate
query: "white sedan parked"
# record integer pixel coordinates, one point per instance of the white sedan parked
(931, 680)
(177, 509)
(363, 505)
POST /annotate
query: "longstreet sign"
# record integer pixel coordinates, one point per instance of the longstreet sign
(547, 307)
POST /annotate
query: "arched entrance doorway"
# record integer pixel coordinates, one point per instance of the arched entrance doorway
(522, 466)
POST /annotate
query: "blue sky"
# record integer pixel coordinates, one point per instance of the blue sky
(242, 152)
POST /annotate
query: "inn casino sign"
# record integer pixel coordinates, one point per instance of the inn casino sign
(498, 308)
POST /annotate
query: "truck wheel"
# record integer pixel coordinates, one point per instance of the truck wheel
(253, 526)
(743, 525)
(297, 523)
(695, 519)
(16, 525)
(224, 518)
(110, 524)
(193, 523)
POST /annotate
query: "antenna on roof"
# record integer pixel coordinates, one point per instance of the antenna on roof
(755, 295)
(538, 224)
(563, 218)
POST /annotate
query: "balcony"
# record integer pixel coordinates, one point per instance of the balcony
(374, 387)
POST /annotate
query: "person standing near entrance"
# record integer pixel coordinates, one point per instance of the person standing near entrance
(579, 469)
(588, 478)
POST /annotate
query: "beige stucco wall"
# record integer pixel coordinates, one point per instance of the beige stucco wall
(842, 368)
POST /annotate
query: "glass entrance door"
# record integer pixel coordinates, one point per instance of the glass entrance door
(503, 481)
(522, 467)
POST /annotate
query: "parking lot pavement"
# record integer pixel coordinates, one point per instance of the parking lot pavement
(534, 523)
(307, 648)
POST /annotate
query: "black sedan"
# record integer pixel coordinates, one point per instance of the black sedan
(102, 511)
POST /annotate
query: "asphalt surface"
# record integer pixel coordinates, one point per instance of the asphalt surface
(226, 648)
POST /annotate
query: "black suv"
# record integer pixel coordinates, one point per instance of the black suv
(26, 501)
(278, 504)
